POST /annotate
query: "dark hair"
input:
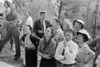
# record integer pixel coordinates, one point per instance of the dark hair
(30, 28)
(70, 30)
(79, 23)
(85, 37)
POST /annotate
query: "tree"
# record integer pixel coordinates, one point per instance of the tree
(95, 19)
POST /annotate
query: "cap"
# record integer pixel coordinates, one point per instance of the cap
(80, 21)
(43, 11)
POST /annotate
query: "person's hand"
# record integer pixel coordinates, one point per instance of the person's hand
(63, 58)
(46, 56)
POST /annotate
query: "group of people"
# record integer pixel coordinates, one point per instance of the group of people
(58, 44)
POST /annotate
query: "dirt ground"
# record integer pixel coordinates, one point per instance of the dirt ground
(7, 56)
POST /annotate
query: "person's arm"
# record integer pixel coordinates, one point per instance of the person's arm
(48, 24)
(17, 17)
(52, 50)
(23, 38)
(90, 55)
(93, 44)
(39, 47)
(58, 53)
(39, 50)
(71, 53)
(34, 39)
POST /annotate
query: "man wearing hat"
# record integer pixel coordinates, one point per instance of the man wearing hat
(79, 27)
(41, 24)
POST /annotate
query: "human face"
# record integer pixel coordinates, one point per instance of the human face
(8, 10)
(42, 16)
(13, 6)
(27, 30)
(55, 24)
(77, 26)
(68, 35)
(48, 32)
(80, 39)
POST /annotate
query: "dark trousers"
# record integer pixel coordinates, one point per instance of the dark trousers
(12, 32)
(31, 57)
(47, 62)
(11, 43)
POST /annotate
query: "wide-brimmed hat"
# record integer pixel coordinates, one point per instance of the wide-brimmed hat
(84, 35)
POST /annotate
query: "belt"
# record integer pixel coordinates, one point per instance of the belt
(66, 64)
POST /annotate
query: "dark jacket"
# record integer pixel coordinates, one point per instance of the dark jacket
(37, 27)
(34, 39)
(95, 46)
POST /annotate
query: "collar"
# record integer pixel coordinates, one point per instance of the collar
(67, 42)
(82, 45)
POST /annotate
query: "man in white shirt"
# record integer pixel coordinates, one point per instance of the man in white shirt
(67, 50)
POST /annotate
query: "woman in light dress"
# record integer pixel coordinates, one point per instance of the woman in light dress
(85, 55)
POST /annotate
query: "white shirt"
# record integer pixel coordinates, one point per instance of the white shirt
(28, 42)
(29, 21)
(70, 52)
(44, 25)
